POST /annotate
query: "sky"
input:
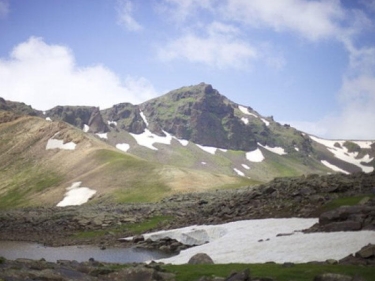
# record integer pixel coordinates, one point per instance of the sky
(307, 63)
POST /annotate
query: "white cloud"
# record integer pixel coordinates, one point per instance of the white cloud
(220, 48)
(312, 19)
(44, 76)
(4, 9)
(125, 18)
(180, 10)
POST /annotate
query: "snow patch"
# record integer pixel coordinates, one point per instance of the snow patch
(364, 144)
(240, 173)
(223, 149)
(86, 128)
(112, 123)
(208, 149)
(48, 119)
(144, 118)
(76, 195)
(183, 142)
(147, 139)
(244, 110)
(277, 150)
(203, 163)
(296, 148)
(333, 167)
(245, 120)
(245, 166)
(255, 156)
(265, 121)
(59, 144)
(123, 146)
(232, 242)
(343, 154)
(102, 136)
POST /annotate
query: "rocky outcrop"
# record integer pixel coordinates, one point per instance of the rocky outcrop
(200, 258)
(96, 122)
(127, 116)
(365, 256)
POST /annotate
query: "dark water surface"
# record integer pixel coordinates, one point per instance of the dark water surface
(13, 250)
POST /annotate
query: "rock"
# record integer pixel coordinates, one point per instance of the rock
(240, 276)
(342, 226)
(138, 238)
(200, 258)
(139, 273)
(332, 277)
(366, 252)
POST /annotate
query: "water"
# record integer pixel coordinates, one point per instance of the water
(13, 250)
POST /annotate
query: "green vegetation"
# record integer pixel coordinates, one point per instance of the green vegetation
(300, 272)
(343, 201)
(25, 183)
(352, 147)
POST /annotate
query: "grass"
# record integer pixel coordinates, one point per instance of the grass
(300, 272)
(26, 183)
(343, 201)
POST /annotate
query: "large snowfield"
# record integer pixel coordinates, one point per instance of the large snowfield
(265, 240)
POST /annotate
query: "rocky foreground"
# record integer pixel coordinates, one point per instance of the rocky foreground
(311, 196)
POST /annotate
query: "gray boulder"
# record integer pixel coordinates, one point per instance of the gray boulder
(201, 258)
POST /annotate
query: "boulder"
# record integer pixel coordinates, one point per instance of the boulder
(200, 258)
(239, 276)
(366, 252)
(332, 277)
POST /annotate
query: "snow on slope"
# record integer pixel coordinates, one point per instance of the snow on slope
(59, 144)
(333, 167)
(255, 156)
(256, 241)
(148, 139)
(240, 173)
(343, 154)
(102, 136)
(76, 195)
(244, 110)
(123, 146)
(209, 149)
(277, 150)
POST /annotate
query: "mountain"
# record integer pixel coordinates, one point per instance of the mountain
(189, 139)
(42, 162)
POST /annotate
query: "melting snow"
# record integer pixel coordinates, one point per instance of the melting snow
(343, 154)
(112, 123)
(239, 172)
(208, 149)
(183, 142)
(147, 139)
(364, 144)
(123, 146)
(277, 150)
(48, 119)
(223, 149)
(54, 143)
(76, 195)
(255, 241)
(144, 118)
(333, 167)
(102, 136)
(244, 110)
(265, 121)
(245, 120)
(86, 128)
(246, 167)
(255, 156)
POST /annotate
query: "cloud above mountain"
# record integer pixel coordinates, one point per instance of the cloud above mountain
(47, 75)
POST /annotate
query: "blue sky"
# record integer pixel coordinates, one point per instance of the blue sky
(307, 63)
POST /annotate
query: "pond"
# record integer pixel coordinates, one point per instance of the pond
(13, 250)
